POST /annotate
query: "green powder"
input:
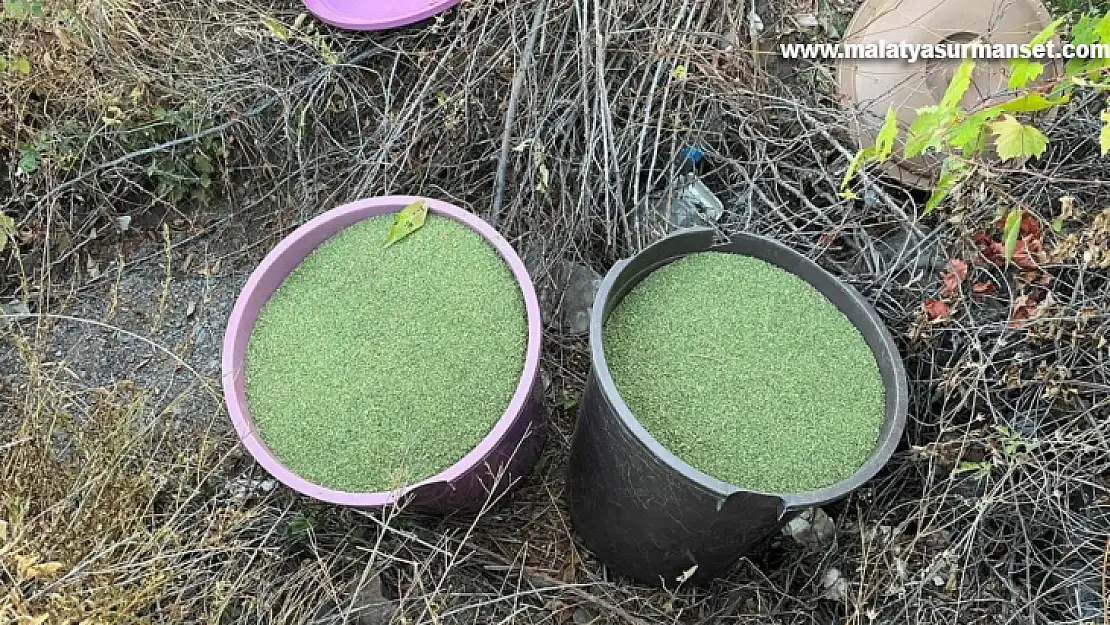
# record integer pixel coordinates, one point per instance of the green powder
(373, 367)
(747, 373)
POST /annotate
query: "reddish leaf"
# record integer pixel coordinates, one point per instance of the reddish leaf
(1030, 226)
(958, 267)
(951, 279)
(950, 285)
(1023, 308)
(991, 250)
(937, 310)
(984, 288)
(1024, 256)
(1045, 280)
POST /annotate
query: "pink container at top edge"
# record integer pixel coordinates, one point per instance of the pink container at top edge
(510, 449)
(375, 14)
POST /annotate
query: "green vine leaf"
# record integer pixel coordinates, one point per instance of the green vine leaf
(952, 172)
(1104, 134)
(1010, 233)
(959, 85)
(884, 142)
(1083, 33)
(970, 135)
(862, 156)
(928, 129)
(325, 52)
(1017, 140)
(408, 220)
(1032, 102)
(1024, 71)
(1101, 28)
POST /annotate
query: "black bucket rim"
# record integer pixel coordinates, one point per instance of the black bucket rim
(895, 412)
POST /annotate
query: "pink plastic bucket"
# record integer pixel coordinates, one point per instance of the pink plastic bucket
(376, 14)
(507, 453)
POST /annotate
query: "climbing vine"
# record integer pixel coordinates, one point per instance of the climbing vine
(959, 136)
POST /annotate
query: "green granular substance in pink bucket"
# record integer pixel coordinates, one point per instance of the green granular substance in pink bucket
(370, 367)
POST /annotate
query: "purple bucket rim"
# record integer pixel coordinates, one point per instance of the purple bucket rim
(275, 261)
(326, 11)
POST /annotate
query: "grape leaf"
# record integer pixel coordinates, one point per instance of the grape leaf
(408, 220)
(959, 85)
(952, 172)
(1017, 140)
(1032, 102)
(928, 129)
(1010, 233)
(884, 142)
(1101, 29)
(858, 160)
(1083, 33)
(1048, 33)
(1023, 72)
(970, 136)
(1104, 134)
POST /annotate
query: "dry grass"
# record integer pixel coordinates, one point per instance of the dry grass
(995, 510)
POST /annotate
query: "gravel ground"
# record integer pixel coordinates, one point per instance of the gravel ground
(161, 330)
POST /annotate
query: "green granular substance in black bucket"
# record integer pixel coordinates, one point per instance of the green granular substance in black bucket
(747, 373)
(371, 367)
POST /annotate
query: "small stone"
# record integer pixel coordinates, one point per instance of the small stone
(583, 615)
(836, 587)
(812, 529)
(754, 21)
(566, 291)
(807, 20)
(370, 606)
(190, 310)
(123, 222)
(13, 311)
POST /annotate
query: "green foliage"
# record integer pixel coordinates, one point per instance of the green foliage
(1104, 134)
(884, 142)
(59, 147)
(21, 9)
(1010, 232)
(408, 220)
(29, 158)
(1017, 140)
(282, 32)
(185, 172)
(1023, 71)
(15, 64)
(959, 135)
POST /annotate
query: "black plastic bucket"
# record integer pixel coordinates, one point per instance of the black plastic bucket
(648, 514)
